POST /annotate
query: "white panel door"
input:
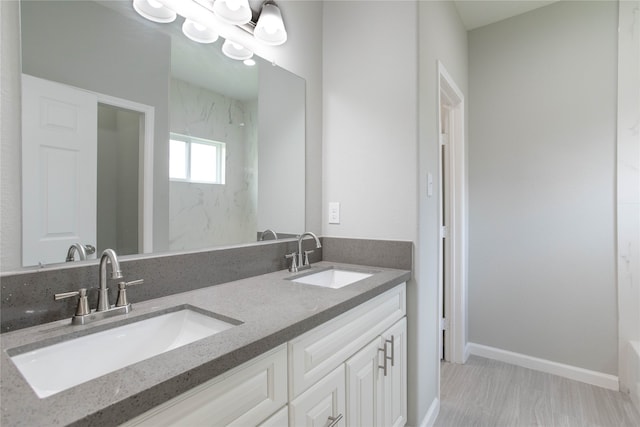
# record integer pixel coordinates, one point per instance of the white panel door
(323, 404)
(394, 401)
(364, 382)
(59, 162)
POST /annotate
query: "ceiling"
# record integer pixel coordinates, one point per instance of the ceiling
(478, 13)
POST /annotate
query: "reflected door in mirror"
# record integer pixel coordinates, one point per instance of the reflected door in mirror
(59, 151)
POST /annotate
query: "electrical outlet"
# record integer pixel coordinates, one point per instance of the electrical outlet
(334, 213)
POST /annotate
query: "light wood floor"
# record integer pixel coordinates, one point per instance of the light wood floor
(486, 392)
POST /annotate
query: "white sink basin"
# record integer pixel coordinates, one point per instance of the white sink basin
(57, 367)
(333, 278)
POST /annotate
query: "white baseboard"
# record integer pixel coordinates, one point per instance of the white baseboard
(467, 353)
(567, 371)
(430, 418)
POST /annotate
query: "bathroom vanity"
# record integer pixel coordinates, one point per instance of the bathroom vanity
(294, 352)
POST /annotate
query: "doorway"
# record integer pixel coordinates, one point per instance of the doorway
(452, 212)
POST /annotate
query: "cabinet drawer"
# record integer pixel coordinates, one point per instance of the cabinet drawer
(246, 395)
(279, 419)
(317, 352)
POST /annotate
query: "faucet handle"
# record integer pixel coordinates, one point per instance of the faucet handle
(122, 292)
(306, 257)
(294, 263)
(83, 304)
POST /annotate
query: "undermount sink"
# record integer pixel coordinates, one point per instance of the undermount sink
(333, 278)
(53, 368)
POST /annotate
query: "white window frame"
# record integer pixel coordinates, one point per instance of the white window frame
(220, 158)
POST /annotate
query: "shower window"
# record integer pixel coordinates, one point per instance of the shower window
(198, 160)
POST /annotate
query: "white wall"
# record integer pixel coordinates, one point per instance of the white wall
(629, 196)
(10, 174)
(542, 279)
(369, 116)
(442, 37)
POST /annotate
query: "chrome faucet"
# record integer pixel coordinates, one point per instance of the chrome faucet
(108, 256)
(83, 315)
(268, 230)
(303, 256)
(83, 251)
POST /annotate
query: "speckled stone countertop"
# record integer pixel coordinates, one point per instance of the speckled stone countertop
(272, 309)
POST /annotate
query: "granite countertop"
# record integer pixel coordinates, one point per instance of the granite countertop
(272, 310)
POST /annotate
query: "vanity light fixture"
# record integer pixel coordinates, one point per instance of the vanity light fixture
(198, 32)
(235, 12)
(236, 51)
(270, 27)
(206, 19)
(154, 11)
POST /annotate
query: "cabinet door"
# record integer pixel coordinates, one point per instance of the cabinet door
(364, 386)
(394, 400)
(323, 404)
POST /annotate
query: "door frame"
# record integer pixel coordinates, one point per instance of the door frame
(451, 96)
(145, 171)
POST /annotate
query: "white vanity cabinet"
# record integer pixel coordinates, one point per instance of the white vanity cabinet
(357, 361)
(246, 395)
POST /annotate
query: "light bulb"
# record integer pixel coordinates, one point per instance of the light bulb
(270, 27)
(233, 4)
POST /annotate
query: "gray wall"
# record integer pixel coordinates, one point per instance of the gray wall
(542, 278)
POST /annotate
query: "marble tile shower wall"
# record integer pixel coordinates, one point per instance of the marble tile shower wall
(27, 297)
(203, 215)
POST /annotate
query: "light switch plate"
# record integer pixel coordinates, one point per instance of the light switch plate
(334, 213)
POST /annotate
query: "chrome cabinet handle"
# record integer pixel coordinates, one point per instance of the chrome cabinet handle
(391, 341)
(333, 421)
(384, 359)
